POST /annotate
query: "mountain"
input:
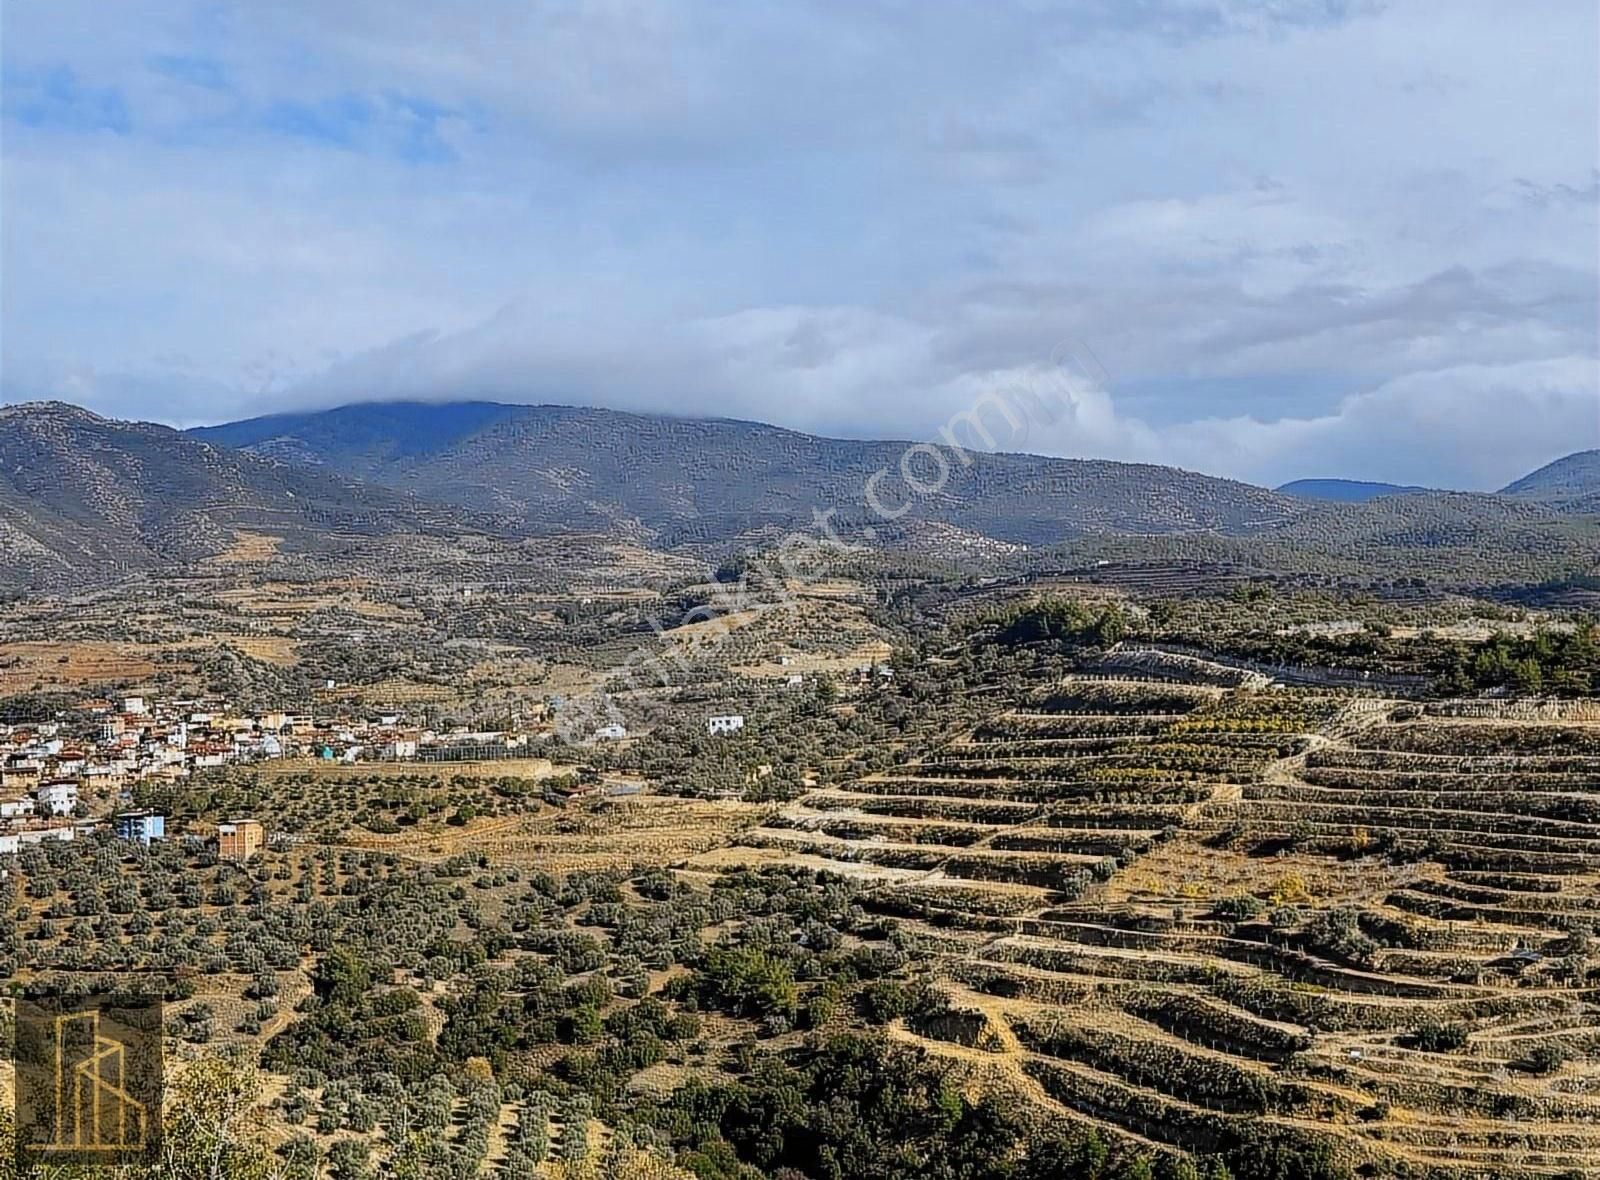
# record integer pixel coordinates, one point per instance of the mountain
(1420, 520)
(714, 481)
(1572, 483)
(1457, 540)
(82, 495)
(1344, 491)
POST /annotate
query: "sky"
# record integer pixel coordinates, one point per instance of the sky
(1270, 239)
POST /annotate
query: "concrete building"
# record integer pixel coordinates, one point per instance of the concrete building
(239, 839)
(63, 832)
(140, 826)
(58, 798)
(731, 723)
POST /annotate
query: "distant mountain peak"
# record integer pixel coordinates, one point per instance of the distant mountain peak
(82, 496)
(713, 480)
(1573, 475)
(1346, 491)
(50, 409)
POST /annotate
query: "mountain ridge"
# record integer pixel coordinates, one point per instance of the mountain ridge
(722, 478)
(1346, 491)
(1572, 482)
(82, 494)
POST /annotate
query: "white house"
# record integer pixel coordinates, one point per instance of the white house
(57, 798)
(614, 732)
(732, 723)
(66, 832)
(795, 680)
(14, 808)
(10, 842)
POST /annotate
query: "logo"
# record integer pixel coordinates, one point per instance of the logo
(88, 1080)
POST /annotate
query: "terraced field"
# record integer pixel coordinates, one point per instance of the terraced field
(1200, 914)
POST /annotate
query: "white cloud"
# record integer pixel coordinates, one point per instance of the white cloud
(1279, 223)
(1471, 426)
(1475, 426)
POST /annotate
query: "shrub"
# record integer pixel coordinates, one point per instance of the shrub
(1544, 1059)
(1438, 1038)
(1241, 908)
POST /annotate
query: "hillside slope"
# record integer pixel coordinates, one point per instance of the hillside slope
(1571, 483)
(86, 496)
(1450, 538)
(717, 480)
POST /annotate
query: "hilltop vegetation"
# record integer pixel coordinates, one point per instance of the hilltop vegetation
(710, 481)
(468, 487)
(85, 497)
(1573, 481)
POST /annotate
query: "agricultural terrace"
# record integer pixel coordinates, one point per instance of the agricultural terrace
(1193, 914)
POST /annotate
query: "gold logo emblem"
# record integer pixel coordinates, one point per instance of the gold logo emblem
(94, 1112)
(88, 1081)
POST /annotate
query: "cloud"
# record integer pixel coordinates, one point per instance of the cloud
(858, 372)
(1277, 223)
(1470, 426)
(204, 72)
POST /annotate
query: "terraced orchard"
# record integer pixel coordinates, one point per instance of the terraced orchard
(1204, 916)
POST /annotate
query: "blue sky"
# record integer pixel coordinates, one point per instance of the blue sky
(1300, 237)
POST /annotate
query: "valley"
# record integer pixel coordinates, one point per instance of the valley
(1185, 854)
(1166, 903)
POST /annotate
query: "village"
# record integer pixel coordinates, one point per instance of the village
(77, 772)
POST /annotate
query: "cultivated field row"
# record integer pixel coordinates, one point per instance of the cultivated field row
(1182, 911)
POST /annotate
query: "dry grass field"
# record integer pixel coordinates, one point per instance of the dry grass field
(73, 664)
(247, 548)
(592, 836)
